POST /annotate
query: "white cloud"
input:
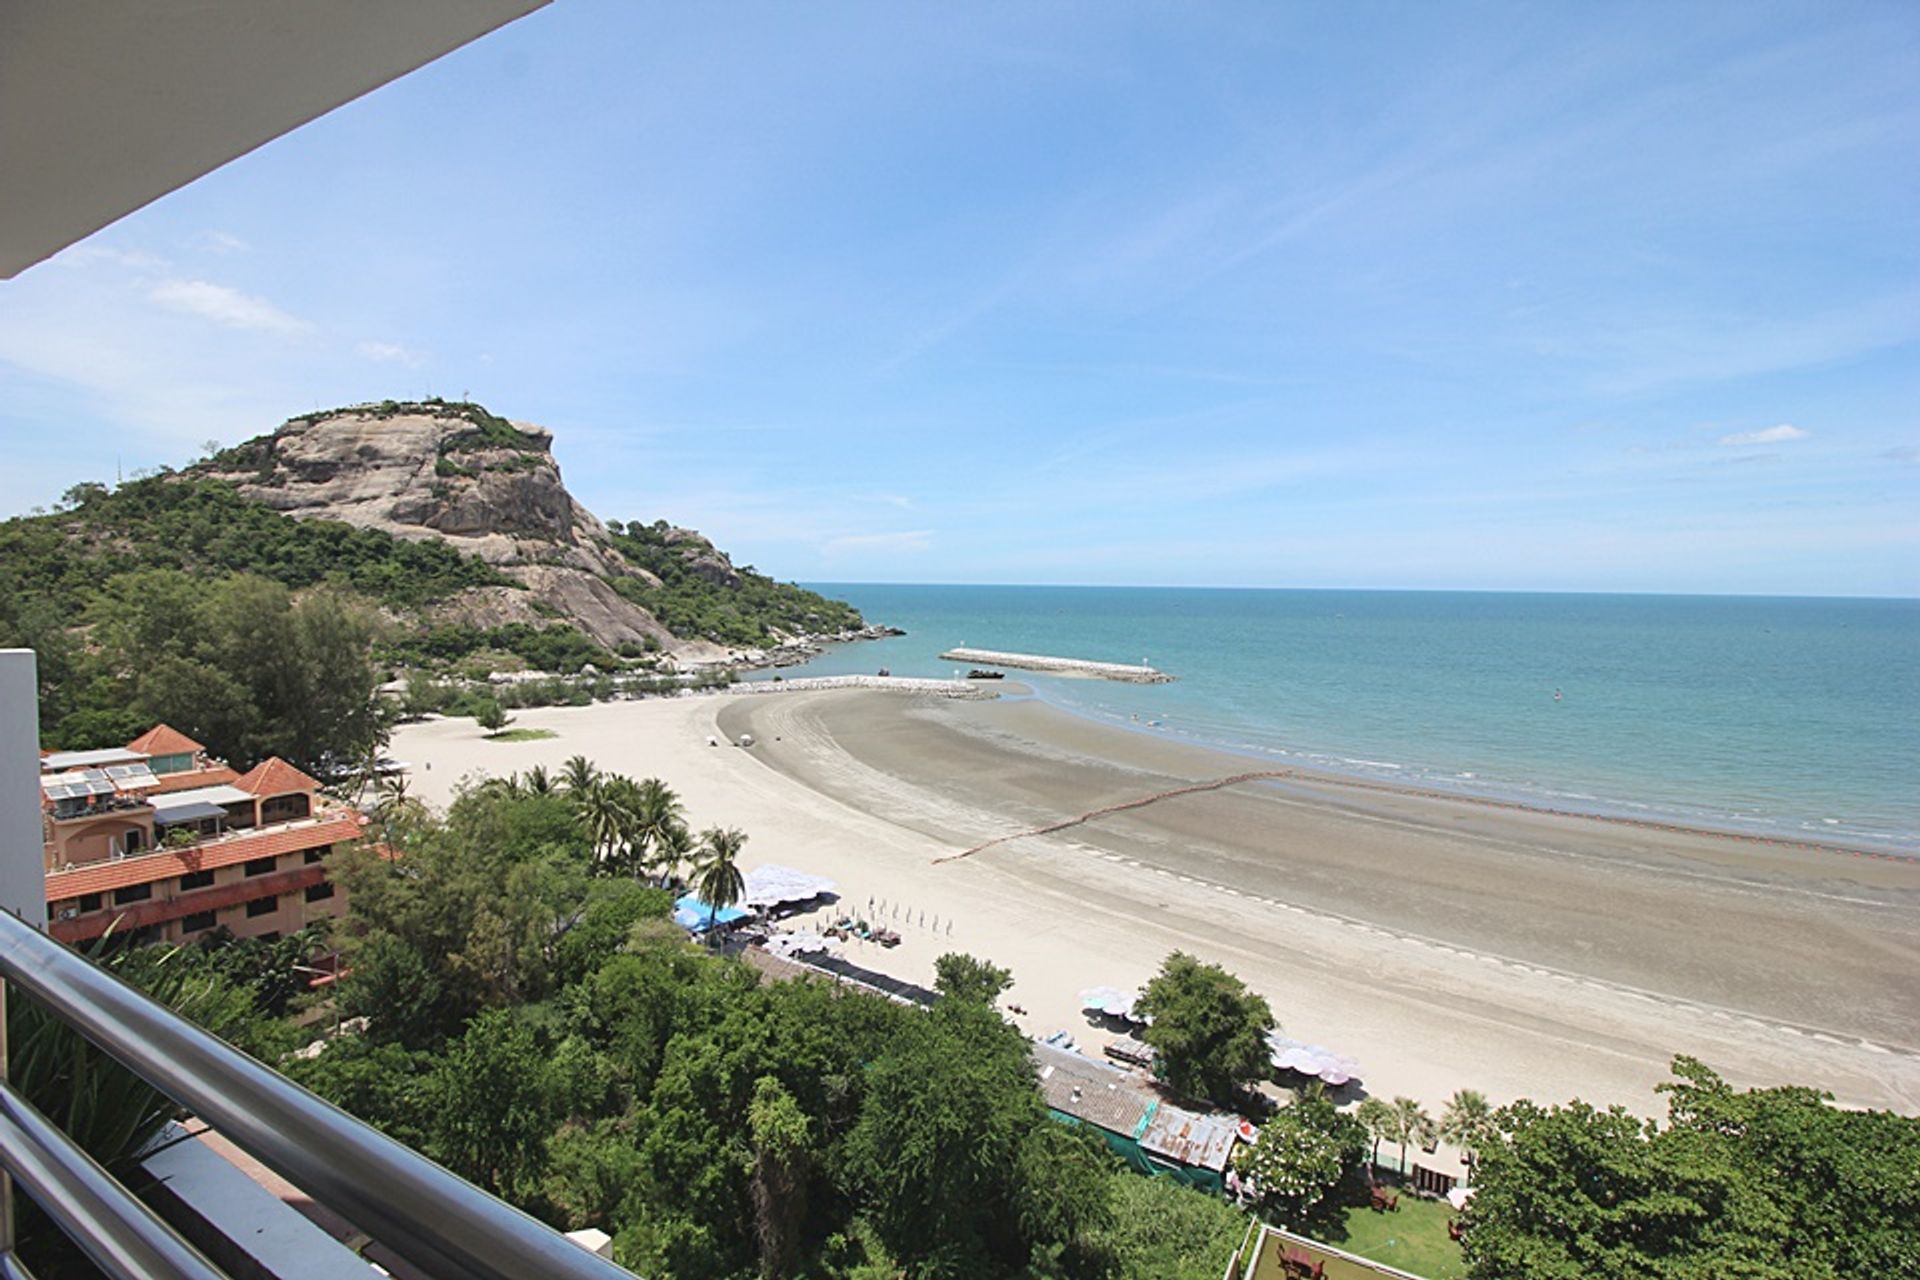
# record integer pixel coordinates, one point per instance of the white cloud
(222, 305)
(390, 353)
(1771, 435)
(222, 242)
(895, 543)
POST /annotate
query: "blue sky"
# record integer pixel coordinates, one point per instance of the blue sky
(1594, 297)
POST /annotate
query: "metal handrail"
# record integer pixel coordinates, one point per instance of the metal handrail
(431, 1218)
(124, 1237)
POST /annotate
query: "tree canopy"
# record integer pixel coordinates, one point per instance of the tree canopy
(1208, 1030)
(1762, 1185)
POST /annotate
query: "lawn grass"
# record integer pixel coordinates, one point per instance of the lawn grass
(521, 735)
(1412, 1238)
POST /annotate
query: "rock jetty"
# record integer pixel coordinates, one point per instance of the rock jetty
(1059, 666)
(894, 684)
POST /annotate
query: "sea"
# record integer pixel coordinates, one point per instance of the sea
(1794, 718)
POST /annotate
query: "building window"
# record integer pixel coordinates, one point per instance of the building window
(132, 893)
(196, 879)
(136, 840)
(89, 902)
(262, 906)
(260, 866)
(196, 922)
(320, 892)
(318, 855)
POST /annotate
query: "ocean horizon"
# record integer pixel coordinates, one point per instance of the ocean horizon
(1796, 718)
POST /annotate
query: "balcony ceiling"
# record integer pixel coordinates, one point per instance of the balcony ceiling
(106, 105)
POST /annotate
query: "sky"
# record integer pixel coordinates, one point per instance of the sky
(1543, 297)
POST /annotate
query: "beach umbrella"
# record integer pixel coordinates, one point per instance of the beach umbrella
(1335, 1077)
(1300, 1060)
(1459, 1196)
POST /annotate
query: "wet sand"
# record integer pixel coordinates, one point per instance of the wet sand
(1445, 943)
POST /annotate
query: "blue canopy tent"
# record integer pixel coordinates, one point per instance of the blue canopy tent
(689, 912)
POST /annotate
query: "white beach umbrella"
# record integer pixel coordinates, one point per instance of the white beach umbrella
(1108, 1000)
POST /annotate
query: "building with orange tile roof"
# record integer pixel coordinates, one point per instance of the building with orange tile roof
(162, 842)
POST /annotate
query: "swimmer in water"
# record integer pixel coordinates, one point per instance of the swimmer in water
(1556, 695)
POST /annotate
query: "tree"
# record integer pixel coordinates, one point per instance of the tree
(781, 1140)
(716, 875)
(1411, 1123)
(962, 977)
(659, 826)
(489, 714)
(1301, 1158)
(492, 1104)
(605, 812)
(937, 1150)
(1208, 1030)
(1376, 1117)
(578, 774)
(1467, 1123)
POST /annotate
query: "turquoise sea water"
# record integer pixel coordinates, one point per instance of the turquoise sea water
(1794, 717)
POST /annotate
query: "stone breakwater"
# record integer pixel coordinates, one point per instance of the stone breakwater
(894, 684)
(1059, 666)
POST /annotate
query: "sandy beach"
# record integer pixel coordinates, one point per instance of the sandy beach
(1444, 943)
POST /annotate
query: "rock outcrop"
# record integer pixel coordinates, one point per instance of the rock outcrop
(486, 486)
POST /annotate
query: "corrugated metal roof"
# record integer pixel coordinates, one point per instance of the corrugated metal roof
(1203, 1141)
(118, 873)
(56, 761)
(1088, 1090)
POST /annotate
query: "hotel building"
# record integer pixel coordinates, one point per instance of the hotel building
(161, 843)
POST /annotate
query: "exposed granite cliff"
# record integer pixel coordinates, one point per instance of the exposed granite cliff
(486, 486)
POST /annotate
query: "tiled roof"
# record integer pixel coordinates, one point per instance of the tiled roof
(118, 873)
(165, 740)
(275, 777)
(214, 775)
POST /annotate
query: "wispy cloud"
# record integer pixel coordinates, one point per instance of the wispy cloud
(1769, 435)
(221, 242)
(390, 353)
(224, 306)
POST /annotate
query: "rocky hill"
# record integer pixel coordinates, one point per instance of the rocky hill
(490, 489)
(453, 520)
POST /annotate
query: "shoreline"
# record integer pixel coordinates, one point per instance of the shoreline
(1331, 777)
(1445, 943)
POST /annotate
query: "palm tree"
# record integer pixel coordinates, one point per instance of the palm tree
(1410, 1122)
(657, 819)
(670, 849)
(605, 815)
(578, 774)
(393, 809)
(537, 781)
(716, 872)
(1467, 1123)
(1377, 1118)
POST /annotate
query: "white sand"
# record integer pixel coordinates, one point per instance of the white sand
(1424, 1016)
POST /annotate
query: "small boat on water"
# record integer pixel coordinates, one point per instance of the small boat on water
(979, 674)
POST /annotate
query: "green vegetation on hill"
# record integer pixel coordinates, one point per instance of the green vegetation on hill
(690, 604)
(206, 527)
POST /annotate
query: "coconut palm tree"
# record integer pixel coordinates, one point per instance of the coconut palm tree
(393, 809)
(537, 781)
(657, 816)
(716, 871)
(1410, 1123)
(606, 817)
(1467, 1123)
(579, 775)
(670, 850)
(1377, 1118)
